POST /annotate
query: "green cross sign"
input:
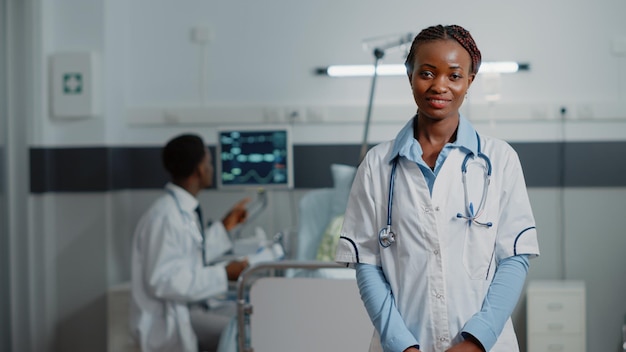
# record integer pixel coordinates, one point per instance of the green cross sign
(72, 83)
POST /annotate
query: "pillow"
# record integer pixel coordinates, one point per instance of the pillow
(330, 238)
(343, 175)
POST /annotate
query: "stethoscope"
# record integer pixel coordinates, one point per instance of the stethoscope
(185, 215)
(386, 236)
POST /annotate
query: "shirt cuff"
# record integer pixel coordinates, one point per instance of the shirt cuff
(399, 343)
(469, 337)
(481, 333)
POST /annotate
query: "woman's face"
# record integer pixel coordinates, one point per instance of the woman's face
(440, 78)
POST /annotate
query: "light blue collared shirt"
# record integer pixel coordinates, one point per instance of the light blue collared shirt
(405, 145)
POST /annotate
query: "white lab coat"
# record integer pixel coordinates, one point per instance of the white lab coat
(439, 268)
(168, 272)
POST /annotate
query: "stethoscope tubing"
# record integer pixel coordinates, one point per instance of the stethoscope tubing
(487, 181)
(392, 181)
(472, 214)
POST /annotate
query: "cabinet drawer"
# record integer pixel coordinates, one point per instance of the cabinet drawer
(555, 313)
(556, 343)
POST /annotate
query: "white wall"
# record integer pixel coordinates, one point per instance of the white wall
(262, 54)
(260, 63)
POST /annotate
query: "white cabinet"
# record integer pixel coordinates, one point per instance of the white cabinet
(556, 316)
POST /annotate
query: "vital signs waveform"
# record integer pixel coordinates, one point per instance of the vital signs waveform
(258, 179)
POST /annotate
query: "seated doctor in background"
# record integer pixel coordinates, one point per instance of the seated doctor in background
(439, 225)
(171, 278)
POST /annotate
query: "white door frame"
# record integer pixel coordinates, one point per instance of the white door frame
(22, 22)
(5, 287)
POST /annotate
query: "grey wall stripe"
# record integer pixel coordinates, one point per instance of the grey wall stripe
(549, 164)
(597, 164)
(69, 169)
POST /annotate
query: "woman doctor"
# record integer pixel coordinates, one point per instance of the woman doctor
(439, 226)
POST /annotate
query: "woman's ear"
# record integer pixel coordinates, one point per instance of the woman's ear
(471, 79)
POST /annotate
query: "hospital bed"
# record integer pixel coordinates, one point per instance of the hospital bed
(303, 303)
(278, 313)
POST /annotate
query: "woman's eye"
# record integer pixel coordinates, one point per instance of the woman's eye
(426, 74)
(456, 76)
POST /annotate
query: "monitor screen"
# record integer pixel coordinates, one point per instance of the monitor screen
(254, 157)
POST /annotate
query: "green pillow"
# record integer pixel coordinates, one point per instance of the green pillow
(330, 238)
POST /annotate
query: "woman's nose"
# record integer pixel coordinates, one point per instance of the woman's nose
(439, 85)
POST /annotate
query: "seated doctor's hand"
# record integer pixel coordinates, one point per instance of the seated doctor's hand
(236, 215)
(235, 268)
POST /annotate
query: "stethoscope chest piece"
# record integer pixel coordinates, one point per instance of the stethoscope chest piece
(386, 237)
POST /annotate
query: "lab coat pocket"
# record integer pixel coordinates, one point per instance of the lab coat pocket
(478, 251)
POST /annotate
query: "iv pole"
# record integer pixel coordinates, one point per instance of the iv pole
(379, 53)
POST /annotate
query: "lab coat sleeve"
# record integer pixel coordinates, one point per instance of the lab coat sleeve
(381, 308)
(516, 228)
(502, 296)
(217, 241)
(358, 242)
(172, 272)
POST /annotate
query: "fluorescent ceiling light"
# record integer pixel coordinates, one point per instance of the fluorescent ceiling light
(499, 67)
(365, 70)
(400, 70)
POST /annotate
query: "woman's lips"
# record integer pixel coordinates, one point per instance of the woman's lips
(438, 103)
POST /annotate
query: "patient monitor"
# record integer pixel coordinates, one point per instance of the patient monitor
(254, 157)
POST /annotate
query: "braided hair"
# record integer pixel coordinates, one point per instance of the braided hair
(439, 32)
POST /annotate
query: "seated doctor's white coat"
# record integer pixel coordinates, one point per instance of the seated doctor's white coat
(168, 272)
(440, 267)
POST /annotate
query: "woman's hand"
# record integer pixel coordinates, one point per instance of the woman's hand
(236, 215)
(465, 346)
